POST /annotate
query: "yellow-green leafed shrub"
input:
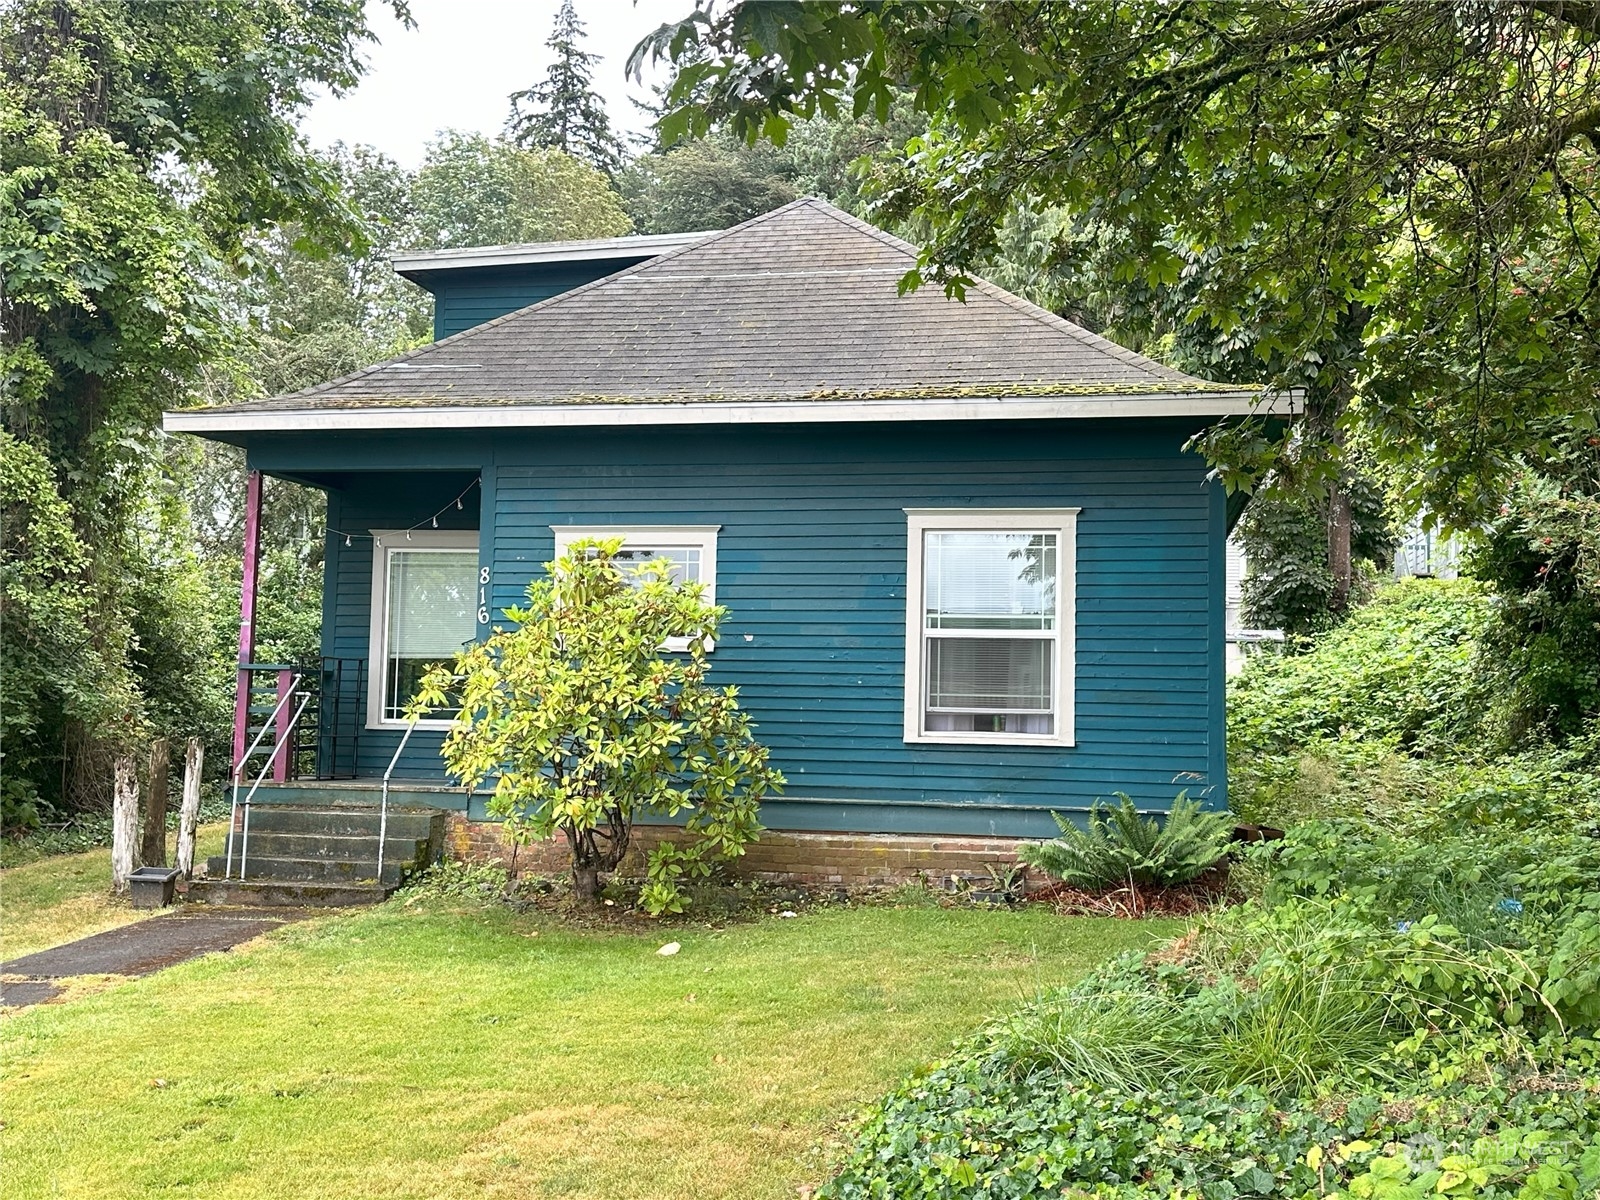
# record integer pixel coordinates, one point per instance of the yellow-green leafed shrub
(584, 719)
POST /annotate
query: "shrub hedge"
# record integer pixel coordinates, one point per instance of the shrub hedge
(1309, 1043)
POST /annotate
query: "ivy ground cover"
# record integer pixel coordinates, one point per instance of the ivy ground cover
(426, 1051)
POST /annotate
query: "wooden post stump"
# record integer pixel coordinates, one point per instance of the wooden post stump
(153, 844)
(124, 823)
(189, 814)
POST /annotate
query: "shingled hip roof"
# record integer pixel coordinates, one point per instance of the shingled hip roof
(794, 315)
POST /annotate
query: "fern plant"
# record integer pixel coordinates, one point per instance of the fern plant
(1118, 846)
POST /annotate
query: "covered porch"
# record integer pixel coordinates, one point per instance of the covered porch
(401, 590)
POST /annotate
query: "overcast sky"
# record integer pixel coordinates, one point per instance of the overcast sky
(457, 67)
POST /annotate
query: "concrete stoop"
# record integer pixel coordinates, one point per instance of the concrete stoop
(320, 855)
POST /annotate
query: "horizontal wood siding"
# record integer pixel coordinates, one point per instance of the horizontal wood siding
(466, 296)
(811, 565)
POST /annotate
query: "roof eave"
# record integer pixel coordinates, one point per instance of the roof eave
(422, 262)
(755, 412)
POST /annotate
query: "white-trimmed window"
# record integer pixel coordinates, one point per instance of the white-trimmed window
(692, 550)
(424, 610)
(989, 625)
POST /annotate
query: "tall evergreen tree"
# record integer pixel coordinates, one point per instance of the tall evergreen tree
(565, 112)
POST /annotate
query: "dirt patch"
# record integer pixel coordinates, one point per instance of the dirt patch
(1184, 900)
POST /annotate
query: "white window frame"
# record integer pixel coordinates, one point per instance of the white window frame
(386, 542)
(1063, 522)
(701, 537)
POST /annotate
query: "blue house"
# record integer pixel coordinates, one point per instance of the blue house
(972, 575)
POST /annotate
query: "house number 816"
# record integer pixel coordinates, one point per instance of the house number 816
(483, 596)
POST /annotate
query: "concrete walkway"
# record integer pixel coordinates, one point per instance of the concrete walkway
(137, 949)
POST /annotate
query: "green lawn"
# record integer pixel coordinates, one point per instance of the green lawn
(58, 899)
(422, 1052)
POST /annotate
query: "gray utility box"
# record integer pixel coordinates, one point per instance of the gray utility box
(153, 886)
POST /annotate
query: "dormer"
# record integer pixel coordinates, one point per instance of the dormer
(479, 283)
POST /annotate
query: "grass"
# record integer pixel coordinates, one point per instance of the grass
(426, 1052)
(54, 900)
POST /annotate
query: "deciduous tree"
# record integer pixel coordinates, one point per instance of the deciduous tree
(141, 146)
(478, 191)
(710, 183)
(1390, 206)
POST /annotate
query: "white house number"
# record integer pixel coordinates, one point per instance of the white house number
(483, 595)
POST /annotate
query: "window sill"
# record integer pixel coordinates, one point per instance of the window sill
(989, 739)
(401, 725)
(681, 645)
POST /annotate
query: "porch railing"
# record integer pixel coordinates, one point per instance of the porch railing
(383, 810)
(326, 742)
(291, 706)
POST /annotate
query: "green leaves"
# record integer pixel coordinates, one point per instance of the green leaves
(585, 722)
(1118, 847)
(142, 148)
(477, 191)
(1393, 208)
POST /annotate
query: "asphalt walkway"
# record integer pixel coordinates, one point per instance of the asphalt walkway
(137, 949)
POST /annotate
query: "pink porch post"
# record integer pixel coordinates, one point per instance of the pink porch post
(247, 616)
(280, 761)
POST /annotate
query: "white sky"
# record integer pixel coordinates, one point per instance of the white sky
(457, 67)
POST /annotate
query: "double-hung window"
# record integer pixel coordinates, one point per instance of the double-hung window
(691, 549)
(424, 610)
(989, 625)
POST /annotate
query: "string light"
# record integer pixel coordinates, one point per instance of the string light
(432, 521)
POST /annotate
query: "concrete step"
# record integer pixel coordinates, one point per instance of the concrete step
(363, 795)
(310, 870)
(344, 820)
(300, 848)
(275, 893)
(362, 847)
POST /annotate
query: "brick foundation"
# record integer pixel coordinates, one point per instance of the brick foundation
(847, 860)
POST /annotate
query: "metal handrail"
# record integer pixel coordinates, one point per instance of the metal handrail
(383, 803)
(238, 773)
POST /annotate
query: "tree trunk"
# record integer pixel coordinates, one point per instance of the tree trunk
(153, 845)
(585, 866)
(596, 850)
(124, 823)
(189, 815)
(1351, 326)
(586, 885)
(1339, 549)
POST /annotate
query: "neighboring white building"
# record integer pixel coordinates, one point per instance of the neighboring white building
(1426, 553)
(1421, 552)
(1235, 600)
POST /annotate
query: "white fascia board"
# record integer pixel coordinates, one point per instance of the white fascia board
(557, 416)
(634, 246)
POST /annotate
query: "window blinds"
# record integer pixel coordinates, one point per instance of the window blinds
(432, 609)
(989, 674)
(981, 580)
(989, 613)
